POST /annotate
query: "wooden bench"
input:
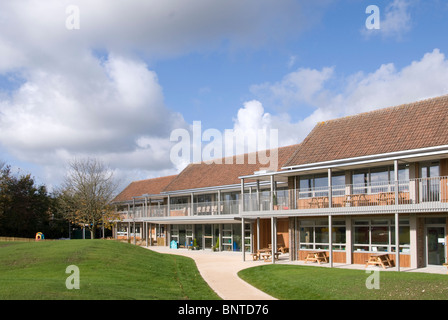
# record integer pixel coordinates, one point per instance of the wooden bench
(318, 257)
(267, 257)
(379, 260)
(255, 256)
(283, 249)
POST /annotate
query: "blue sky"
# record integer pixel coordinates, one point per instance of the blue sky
(117, 86)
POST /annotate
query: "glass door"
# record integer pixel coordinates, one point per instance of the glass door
(436, 245)
(430, 186)
(208, 236)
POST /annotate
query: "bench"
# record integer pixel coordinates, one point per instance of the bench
(379, 260)
(267, 257)
(318, 257)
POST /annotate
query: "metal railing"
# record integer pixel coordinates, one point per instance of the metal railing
(225, 207)
(424, 192)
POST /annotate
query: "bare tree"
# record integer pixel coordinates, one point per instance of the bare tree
(87, 191)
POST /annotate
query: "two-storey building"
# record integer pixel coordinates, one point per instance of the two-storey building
(372, 183)
(366, 184)
(200, 207)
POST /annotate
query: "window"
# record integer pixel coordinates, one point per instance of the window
(338, 184)
(313, 186)
(380, 179)
(313, 234)
(379, 235)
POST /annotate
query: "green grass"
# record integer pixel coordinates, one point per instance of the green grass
(316, 283)
(108, 270)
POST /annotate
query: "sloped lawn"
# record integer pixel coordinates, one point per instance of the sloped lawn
(107, 270)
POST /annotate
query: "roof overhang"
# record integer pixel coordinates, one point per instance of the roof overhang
(218, 219)
(405, 156)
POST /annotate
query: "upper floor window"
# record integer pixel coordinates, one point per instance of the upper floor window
(317, 185)
(380, 179)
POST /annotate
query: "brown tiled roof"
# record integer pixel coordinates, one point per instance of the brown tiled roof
(410, 126)
(148, 186)
(203, 175)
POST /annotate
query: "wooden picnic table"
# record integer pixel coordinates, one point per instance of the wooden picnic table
(318, 202)
(380, 259)
(316, 256)
(267, 257)
(386, 198)
(257, 255)
(356, 200)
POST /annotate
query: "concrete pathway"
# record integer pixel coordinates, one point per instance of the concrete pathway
(219, 270)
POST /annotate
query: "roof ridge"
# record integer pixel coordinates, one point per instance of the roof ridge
(390, 108)
(161, 177)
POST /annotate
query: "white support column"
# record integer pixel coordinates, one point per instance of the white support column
(168, 206)
(397, 227)
(219, 202)
(272, 194)
(330, 239)
(192, 204)
(413, 236)
(220, 237)
(274, 237)
(242, 239)
(396, 180)
(147, 233)
(348, 240)
(397, 241)
(258, 196)
(295, 192)
(330, 222)
(258, 234)
(242, 196)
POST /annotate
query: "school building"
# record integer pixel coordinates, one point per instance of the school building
(363, 185)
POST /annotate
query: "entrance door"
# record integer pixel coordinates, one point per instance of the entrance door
(436, 245)
(208, 236)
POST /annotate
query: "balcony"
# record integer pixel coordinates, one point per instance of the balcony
(211, 208)
(414, 195)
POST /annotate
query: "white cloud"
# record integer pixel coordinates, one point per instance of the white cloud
(88, 92)
(300, 85)
(387, 86)
(113, 110)
(35, 31)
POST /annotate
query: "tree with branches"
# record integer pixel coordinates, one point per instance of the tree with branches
(87, 192)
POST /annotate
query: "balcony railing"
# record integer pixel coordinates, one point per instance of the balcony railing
(225, 207)
(420, 193)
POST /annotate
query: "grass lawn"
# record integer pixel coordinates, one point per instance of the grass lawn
(317, 283)
(108, 270)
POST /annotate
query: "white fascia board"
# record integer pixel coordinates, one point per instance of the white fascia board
(209, 189)
(399, 155)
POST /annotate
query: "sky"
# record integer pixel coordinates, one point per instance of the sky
(113, 80)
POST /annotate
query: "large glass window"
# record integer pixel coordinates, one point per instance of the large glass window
(380, 179)
(313, 234)
(338, 184)
(375, 235)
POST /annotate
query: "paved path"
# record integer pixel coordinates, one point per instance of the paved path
(220, 270)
